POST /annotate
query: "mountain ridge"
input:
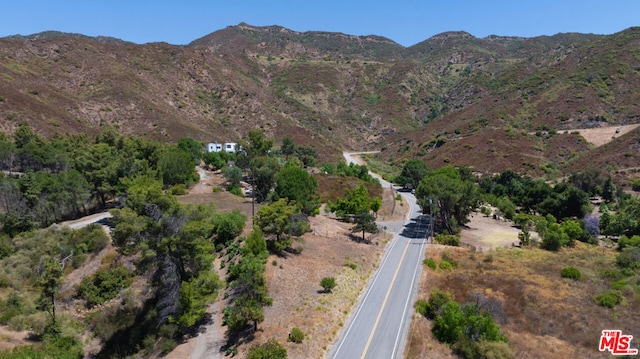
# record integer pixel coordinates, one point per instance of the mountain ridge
(333, 91)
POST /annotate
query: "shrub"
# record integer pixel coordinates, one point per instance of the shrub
(571, 273)
(327, 284)
(619, 284)
(437, 299)
(448, 258)
(429, 262)
(104, 285)
(296, 335)
(448, 239)
(268, 350)
(629, 258)
(445, 265)
(421, 307)
(178, 190)
(609, 298)
(236, 191)
(625, 241)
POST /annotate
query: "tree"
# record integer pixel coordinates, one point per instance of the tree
(365, 222)
(275, 219)
(263, 172)
(453, 197)
(49, 281)
(288, 147)
(298, 187)
(228, 225)
(307, 155)
(192, 147)
(376, 204)
(100, 165)
(355, 201)
(233, 175)
(254, 145)
(176, 166)
(413, 171)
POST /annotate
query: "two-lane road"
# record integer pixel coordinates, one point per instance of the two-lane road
(379, 327)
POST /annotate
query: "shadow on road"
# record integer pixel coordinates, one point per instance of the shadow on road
(417, 228)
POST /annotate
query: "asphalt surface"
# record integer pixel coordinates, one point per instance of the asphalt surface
(379, 326)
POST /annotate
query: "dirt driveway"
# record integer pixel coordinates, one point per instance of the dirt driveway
(486, 233)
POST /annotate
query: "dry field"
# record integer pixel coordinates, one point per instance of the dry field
(548, 316)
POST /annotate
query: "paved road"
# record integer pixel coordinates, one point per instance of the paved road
(379, 327)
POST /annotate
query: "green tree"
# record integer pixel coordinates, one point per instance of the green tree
(275, 219)
(413, 171)
(449, 325)
(453, 197)
(308, 155)
(192, 147)
(376, 204)
(176, 166)
(233, 175)
(554, 238)
(228, 225)
(356, 201)
(288, 147)
(100, 165)
(49, 281)
(263, 171)
(365, 222)
(298, 187)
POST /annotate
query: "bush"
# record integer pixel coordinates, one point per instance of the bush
(571, 273)
(236, 191)
(445, 265)
(327, 284)
(421, 306)
(448, 239)
(178, 190)
(429, 262)
(629, 258)
(296, 335)
(104, 285)
(437, 299)
(619, 284)
(269, 350)
(448, 258)
(609, 298)
(625, 242)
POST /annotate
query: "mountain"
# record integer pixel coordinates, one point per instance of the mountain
(491, 103)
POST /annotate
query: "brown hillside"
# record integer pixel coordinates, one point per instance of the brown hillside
(335, 91)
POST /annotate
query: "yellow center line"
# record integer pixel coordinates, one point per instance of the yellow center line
(384, 303)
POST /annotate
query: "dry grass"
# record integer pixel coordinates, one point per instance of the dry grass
(548, 316)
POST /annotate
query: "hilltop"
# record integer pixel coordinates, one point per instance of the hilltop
(491, 103)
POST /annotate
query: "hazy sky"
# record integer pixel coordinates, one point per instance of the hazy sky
(404, 21)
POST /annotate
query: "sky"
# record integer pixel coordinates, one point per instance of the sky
(406, 22)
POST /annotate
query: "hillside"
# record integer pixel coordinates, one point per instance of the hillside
(451, 99)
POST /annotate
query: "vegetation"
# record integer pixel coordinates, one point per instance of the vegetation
(464, 327)
(327, 284)
(271, 349)
(571, 273)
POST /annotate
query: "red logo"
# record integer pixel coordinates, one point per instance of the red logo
(616, 343)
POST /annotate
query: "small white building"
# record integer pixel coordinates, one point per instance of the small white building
(214, 147)
(230, 147)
